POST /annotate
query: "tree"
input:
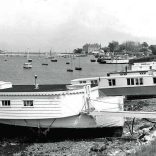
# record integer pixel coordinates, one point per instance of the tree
(144, 45)
(114, 46)
(153, 48)
(130, 46)
(78, 51)
(106, 49)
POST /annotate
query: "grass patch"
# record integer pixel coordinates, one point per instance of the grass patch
(146, 150)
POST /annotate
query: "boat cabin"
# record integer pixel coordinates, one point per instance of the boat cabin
(143, 66)
(93, 81)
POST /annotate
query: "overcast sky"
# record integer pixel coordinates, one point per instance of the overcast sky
(62, 25)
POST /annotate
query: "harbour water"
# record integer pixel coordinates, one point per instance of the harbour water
(11, 69)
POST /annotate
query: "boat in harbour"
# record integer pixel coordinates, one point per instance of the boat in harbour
(78, 67)
(113, 60)
(92, 60)
(27, 65)
(53, 60)
(71, 66)
(45, 63)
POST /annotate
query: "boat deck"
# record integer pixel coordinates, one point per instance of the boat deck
(41, 88)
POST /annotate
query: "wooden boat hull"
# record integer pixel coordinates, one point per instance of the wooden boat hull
(77, 121)
(57, 110)
(30, 133)
(130, 92)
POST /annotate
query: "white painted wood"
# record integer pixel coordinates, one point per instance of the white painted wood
(130, 114)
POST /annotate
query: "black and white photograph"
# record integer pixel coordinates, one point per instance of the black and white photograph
(77, 78)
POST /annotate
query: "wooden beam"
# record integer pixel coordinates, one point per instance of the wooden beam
(130, 114)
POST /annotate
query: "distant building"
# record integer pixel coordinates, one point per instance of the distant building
(89, 48)
(2, 52)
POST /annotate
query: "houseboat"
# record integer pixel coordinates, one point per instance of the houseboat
(58, 107)
(132, 84)
(142, 66)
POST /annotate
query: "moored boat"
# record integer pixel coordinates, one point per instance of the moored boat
(29, 60)
(69, 70)
(53, 60)
(92, 60)
(27, 65)
(78, 68)
(45, 64)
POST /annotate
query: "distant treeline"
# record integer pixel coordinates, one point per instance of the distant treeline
(127, 46)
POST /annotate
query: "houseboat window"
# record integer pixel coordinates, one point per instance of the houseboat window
(111, 82)
(141, 81)
(5, 102)
(132, 81)
(128, 81)
(94, 83)
(141, 73)
(84, 81)
(123, 73)
(154, 80)
(28, 102)
(136, 81)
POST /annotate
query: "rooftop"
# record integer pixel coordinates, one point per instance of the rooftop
(41, 88)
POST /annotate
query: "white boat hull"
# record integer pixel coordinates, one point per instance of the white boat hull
(77, 121)
(117, 61)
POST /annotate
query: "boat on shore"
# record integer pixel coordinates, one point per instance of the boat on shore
(57, 107)
(132, 84)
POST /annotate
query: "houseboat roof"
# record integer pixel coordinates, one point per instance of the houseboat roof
(118, 72)
(41, 88)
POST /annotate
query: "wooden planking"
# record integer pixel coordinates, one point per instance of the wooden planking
(2, 109)
(130, 114)
(37, 103)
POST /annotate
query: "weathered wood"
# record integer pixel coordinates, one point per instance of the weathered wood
(131, 114)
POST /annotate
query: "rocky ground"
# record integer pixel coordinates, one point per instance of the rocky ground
(141, 133)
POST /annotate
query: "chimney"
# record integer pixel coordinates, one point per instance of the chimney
(36, 85)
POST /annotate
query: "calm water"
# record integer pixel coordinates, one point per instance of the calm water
(56, 72)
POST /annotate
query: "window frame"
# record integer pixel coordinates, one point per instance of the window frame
(154, 80)
(112, 82)
(135, 81)
(6, 103)
(28, 103)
